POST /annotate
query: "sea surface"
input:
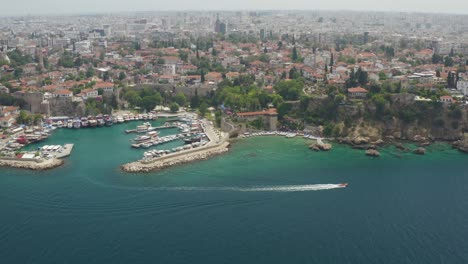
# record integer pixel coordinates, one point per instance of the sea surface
(269, 200)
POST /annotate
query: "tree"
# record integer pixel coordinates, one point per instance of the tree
(295, 55)
(203, 108)
(18, 73)
(436, 58)
(105, 76)
(180, 99)
(90, 72)
(183, 56)
(122, 76)
(382, 76)
(294, 74)
(174, 107)
(78, 62)
(66, 60)
(448, 62)
(389, 52)
(195, 101)
(23, 118)
(202, 79)
(280, 45)
(289, 90)
(332, 61)
(150, 102)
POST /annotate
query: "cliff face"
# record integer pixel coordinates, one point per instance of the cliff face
(400, 117)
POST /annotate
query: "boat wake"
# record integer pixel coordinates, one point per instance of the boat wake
(271, 188)
(282, 188)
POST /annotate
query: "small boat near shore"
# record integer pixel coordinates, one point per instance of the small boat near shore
(84, 122)
(76, 123)
(108, 120)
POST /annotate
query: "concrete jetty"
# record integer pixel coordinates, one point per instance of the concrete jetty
(129, 131)
(182, 157)
(67, 149)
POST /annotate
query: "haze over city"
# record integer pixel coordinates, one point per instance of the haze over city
(27, 7)
(245, 131)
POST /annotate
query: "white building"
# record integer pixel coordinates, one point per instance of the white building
(83, 47)
(462, 86)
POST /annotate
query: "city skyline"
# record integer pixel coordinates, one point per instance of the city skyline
(53, 7)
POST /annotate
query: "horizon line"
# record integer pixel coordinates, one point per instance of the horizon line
(87, 13)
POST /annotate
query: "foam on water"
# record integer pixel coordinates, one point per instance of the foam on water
(273, 188)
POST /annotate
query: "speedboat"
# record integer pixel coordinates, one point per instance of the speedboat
(343, 185)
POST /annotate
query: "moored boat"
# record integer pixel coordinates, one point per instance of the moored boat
(92, 121)
(108, 120)
(120, 119)
(84, 122)
(76, 123)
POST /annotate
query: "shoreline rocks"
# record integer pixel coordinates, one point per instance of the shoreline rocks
(461, 145)
(32, 165)
(372, 153)
(321, 147)
(420, 151)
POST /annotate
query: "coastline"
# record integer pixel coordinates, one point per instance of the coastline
(31, 164)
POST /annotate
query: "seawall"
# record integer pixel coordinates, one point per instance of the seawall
(176, 159)
(31, 164)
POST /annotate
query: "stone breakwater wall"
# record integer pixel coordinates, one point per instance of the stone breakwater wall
(181, 158)
(31, 164)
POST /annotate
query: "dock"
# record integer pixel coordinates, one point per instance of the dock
(129, 131)
(67, 149)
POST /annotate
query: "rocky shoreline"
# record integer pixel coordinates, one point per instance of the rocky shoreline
(32, 165)
(183, 158)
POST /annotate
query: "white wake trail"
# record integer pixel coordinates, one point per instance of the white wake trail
(282, 188)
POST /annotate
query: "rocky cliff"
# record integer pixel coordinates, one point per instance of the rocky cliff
(399, 117)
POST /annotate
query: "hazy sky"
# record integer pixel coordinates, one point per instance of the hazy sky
(22, 7)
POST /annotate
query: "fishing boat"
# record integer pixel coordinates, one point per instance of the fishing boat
(92, 121)
(76, 123)
(70, 123)
(84, 122)
(108, 120)
(100, 120)
(59, 124)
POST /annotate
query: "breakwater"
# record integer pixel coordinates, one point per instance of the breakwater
(31, 164)
(176, 159)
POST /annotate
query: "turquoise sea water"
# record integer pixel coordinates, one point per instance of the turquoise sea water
(236, 208)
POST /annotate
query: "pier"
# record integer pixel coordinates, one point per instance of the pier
(66, 151)
(129, 131)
